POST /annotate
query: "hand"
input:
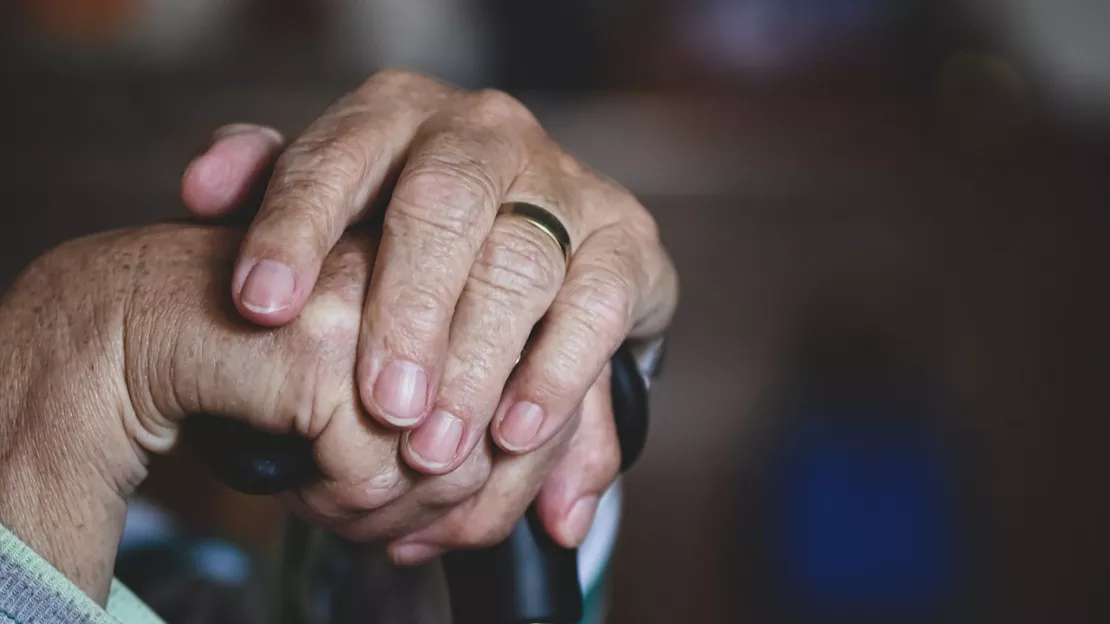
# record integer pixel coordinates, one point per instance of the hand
(111, 341)
(456, 291)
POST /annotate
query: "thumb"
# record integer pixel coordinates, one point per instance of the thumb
(200, 356)
(234, 167)
(569, 499)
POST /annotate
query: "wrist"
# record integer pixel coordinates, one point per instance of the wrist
(65, 465)
(62, 506)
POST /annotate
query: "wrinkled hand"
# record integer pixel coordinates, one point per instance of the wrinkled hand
(113, 340)
(456, 290)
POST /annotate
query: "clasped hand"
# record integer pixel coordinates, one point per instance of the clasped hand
(397, 357)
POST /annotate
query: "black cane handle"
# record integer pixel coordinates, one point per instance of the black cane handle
(529, 578)
(525, 579)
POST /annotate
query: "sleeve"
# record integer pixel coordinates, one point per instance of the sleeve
(33, 592)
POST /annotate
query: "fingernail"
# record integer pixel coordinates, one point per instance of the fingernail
(436, 442)
(581, 518)
(231, 130)
(520, 425)
(268, 287)
(413, 553)
(401, 392)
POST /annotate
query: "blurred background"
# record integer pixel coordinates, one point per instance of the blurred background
(885, 396)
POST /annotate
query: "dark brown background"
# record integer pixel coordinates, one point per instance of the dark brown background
(981, 238)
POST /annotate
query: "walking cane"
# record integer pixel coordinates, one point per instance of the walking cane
(526, 579)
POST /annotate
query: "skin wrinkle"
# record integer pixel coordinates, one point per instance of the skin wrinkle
(315, 378)
(426, 313)
(76, 454)
(485, 127)
(486, 134)
(429, 196)
(304, 421)
(477, 159)
(488, 312)
(331, 501)
(146, 434)
(314, 197)
(599, 307)
(352, 116)
(487, 518)
(339, 158)
(429, 257)
(431, 492)
(331, 319)
(518, 260)
(342, 136)
(67, 484)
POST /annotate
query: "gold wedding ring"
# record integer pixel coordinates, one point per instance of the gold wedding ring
(543, 220)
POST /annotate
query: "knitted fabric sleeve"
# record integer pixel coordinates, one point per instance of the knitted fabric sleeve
(33, 592)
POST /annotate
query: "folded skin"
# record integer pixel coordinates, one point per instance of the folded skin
(457, 289)
(111, 341)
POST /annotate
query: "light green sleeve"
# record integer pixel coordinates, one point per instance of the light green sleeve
(32, 591)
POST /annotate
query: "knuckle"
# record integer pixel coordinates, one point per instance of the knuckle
(559, 378)
(423, 308)
(443, 197)
(600, 301)
(474, 383)
(302, 210)
(471, 384)
(516, 263)
(337, 153)
(454, 163)
(370, 494)
(329, 324)
(496, 106)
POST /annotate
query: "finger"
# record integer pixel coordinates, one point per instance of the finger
(296, 378)
(511, 285)
(588, 320)
(201, 361)
(358, 458)
(440, 212)
(568, 500)
(361, 470)
(488, 517)
(321, 183)
(426, 501)
(219, 181)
